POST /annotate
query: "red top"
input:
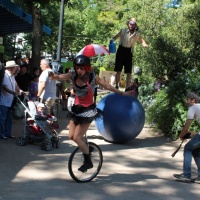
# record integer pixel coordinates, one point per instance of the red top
(87, 100)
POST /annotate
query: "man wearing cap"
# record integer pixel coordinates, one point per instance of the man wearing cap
(128, 37)
(46, 87)
(9, 90)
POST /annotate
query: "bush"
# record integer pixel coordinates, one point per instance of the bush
(166, 109)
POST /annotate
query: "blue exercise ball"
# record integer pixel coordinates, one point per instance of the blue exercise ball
(122, 118)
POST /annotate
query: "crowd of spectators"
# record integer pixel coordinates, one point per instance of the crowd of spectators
(20, 79)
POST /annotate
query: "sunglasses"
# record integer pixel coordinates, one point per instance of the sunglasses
(131, 23)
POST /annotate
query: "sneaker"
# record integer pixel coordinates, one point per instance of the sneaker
(85, 167)
(182, 177)
(3, 137)
(197, 180)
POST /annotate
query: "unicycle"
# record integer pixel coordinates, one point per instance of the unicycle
(76, 160)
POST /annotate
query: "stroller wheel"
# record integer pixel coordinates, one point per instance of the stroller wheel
(57, 144)
(46, 145)
(30, 141)
(21, 141)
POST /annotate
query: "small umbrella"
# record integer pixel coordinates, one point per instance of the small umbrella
(92, 50)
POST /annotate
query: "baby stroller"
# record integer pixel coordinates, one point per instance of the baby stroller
(39, 129)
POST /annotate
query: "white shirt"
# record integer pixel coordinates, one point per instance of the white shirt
(6, 98)
(194, 113)
(127, 39)
(50, 88)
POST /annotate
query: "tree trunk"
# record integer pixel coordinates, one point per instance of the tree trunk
(36, 37)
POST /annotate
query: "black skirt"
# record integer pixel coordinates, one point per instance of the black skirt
(83, 115)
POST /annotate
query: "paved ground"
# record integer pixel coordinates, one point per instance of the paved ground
(141, 169)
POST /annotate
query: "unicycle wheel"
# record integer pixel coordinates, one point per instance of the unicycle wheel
(76, 160)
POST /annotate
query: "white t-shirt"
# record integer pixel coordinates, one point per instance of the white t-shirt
(194, 113)
(6, 98)
(50, 89)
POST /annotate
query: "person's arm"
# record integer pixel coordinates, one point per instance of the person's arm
(9, 91)
(117, 35)
(185, 128)
(109, 87)
(41, 88)
(66, 76)
(144, 44)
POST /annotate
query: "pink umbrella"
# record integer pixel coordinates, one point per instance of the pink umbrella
(93, 50)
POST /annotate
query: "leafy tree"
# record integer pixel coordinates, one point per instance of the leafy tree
(35, 8)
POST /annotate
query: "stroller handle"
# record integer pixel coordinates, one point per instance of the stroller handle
(26, 109)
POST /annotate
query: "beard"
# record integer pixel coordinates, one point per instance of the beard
(131, 29)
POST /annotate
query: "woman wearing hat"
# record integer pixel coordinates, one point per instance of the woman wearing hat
(9, 90)
(128, 37)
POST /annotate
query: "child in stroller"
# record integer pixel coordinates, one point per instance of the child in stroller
(39, 127)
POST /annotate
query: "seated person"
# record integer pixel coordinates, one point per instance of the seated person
(41, 115)
(41, 110)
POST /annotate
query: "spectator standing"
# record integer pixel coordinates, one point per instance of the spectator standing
(128, 37)
(36, 71)
(71, 99)
(134, 86)
(18, 61)
(46, 87)
(23, 78)
(34, 88)
(9, 90)
(157, 85)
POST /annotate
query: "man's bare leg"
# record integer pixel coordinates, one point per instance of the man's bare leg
(128, 79)
(117, 79)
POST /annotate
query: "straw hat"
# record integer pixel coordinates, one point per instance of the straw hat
(11, 63)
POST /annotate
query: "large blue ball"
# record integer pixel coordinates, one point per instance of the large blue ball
(122, 119)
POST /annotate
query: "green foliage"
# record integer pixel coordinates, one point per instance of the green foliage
(167, 111)
(173, 52)
(146, 94)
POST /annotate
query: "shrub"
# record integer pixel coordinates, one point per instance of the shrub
(167, 108)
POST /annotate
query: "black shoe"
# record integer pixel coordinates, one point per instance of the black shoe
(85, 167)
(3, 137)
(10, 136)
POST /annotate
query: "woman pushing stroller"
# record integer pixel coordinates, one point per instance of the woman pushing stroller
(84, 110)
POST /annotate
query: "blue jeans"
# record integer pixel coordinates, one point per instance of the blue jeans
(5, 121)
(191, 149)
